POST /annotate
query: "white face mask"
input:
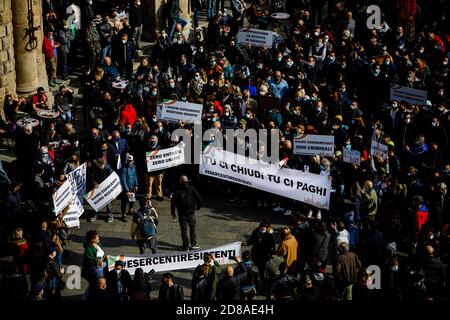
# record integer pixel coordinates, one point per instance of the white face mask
(179, 41)
(124, 41)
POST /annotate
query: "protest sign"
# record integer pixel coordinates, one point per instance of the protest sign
(105, 192)
(165, 158)
(62, 197)
(294, 184)
(175, 111)
(77, 179)
(178, 260)
(72, 216)
(255, 37)
(379, 149)
(351, 156)
(311, 144)
(410, 95)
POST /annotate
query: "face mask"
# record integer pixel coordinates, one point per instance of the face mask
(387, 62)
(289, 64)
(201, 50)
(211, 110)
(262, 230)
(434, 124)
(172, 85)
(376, 73)
(318, 110)
(138, 3)
(102, 167)
(152, 144)
(408, 120)
(100, 127)
(116, 139)
(154, 93)
(124, 41)
(279, 59)
(212, 63)
(128, 130)
(319, 45)
(394, 268)
(306, 35)
(197, 78)
(160, 129)
(248, 115)
(394, 106)
(316, 33)
(154, 119)
(322, 167)
(179, 41)
(227, 113)
(259, 67)
(332, 59)
(211, 84)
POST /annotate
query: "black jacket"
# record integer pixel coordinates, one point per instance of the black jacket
(174, 293)
(228, 288)
(136, 16)
(112, 280)
(262, 245)
(434, 268)
(186, 200)
(99, 295)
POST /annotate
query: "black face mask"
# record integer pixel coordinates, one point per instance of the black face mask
(153, 144)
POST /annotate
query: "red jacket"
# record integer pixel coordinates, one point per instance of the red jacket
(48, 48)
(128, 114)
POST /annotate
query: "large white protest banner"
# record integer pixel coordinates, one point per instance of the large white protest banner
(255, 37)
(311, 144)
(410, 95)
(165, 158)
(305, 187)
(77, 178)
(62, 197)
(351, 156)
(178, 260)
(379, 149)
(105, 192)
(175, 111)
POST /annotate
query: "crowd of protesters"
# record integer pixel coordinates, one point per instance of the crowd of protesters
(326, 74)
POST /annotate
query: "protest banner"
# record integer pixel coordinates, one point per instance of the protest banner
(165, 158)
(175, 111)
(410, 95)
(77, 179)
(379, 149)
(255, 37)
(294, 184)
(311, 144)
(351, 156)
(105, 192)
(62, 197)
(164, 262)
(72, 216)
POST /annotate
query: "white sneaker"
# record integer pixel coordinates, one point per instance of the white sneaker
(278, 209)
(287, 213)
(259, 203)
(309, 214)
(319, 215)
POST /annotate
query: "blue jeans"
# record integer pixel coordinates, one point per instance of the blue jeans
(106, 51)
(196, 18)
(173, 23)
(109, 210)
(212, 9)
(66, 116)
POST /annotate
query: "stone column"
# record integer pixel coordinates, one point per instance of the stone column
(7, 73)
(27, 57)
(40, 58)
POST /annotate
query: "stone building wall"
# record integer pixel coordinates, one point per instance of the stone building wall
(7, 62)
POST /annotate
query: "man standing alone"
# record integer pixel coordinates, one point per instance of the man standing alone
(136, 22)
(186, 200)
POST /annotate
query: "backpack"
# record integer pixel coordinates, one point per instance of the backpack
(147, 226)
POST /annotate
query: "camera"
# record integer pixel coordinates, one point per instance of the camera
(148, 275)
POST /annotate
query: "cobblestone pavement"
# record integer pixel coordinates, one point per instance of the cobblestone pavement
(218, 222)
